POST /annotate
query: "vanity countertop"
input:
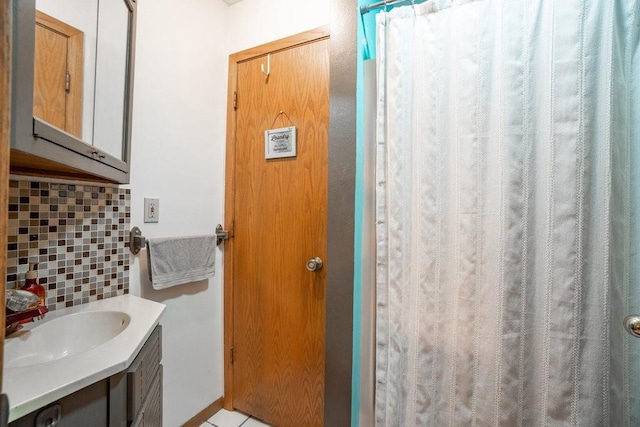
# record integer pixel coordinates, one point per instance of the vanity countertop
(32, 387)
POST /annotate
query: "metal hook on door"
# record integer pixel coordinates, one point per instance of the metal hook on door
(268, 66)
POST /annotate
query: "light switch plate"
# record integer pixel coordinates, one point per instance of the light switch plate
(151, 209)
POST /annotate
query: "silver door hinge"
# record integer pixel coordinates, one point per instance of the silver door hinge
(67, 82)
(235, 100)
(231, 350)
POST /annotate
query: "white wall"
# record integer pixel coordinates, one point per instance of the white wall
(178, 157)
(178, 146)
(255, 22)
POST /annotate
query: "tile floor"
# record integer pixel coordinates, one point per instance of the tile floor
(225, 418)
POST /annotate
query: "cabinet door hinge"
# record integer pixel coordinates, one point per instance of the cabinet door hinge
(233, 228)
(231, 351)
(235, 100)
(67, 82)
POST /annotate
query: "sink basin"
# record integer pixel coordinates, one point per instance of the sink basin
(62, 337)
(74, 347)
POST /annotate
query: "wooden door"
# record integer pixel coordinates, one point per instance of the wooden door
(279, 213)
(58, 78)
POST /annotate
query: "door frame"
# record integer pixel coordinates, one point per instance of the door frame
(6, 52)
(310, 36)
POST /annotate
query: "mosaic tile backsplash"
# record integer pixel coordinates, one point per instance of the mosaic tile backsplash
(78, 235)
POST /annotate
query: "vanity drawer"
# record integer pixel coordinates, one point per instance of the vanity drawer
(150, 415)
(143, 374)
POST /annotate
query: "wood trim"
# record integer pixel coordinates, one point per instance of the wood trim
(245, 55)
(55, 24)
(6, 13)
(205, 414)
(281, 44)
(228, 244)
(30, 165)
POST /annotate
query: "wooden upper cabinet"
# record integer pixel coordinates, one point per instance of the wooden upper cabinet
(58, 75)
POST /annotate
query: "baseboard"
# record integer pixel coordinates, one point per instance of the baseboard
(205, 414)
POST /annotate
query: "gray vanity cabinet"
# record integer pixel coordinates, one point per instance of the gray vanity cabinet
(129, 398)
(136, 394)
(86, 407)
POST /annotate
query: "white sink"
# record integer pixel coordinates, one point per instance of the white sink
(62, 337)
(74, 347)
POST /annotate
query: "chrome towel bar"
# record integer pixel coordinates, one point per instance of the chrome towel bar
(221, 234)
(137, 241)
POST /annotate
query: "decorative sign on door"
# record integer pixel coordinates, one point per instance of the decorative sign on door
(279, 143)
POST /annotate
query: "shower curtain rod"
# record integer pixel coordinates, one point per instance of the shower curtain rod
(369, 7)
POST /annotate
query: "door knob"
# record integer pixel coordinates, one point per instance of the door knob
(314, 264)
(632, 325)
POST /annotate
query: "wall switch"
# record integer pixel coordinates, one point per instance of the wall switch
(151, 209)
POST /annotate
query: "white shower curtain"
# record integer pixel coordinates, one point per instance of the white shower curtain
(507, 213)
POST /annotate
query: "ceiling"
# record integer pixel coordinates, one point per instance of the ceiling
(230, 2)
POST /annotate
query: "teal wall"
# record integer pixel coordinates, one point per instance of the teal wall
(366, 40)
(366, 47)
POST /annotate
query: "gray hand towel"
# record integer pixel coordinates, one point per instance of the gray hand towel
(178, 260)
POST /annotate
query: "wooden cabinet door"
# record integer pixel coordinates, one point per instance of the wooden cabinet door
(280, 222)
(57, 95)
